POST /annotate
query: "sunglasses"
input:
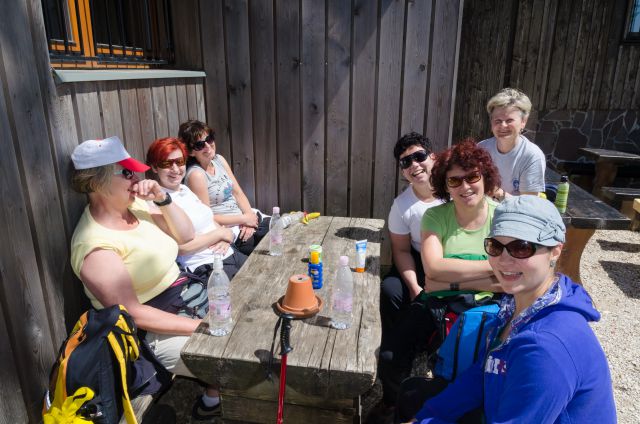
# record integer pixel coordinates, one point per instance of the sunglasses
(166, 164)
(419, 156)
(128, 174)
(519, 249)
(199, 145)
(470, 178)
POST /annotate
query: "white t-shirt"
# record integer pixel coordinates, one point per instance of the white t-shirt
(406, 213)
(521, 169)
(202, 218)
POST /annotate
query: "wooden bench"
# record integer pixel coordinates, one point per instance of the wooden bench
(621, 198)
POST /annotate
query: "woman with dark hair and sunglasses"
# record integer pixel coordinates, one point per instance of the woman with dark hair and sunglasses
(405, 280)
(453, 233)
(124, 250)
(542, 363)
(167, 158)
(210, 177)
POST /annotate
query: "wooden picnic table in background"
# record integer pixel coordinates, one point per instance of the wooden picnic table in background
(328, 369)
(607, 164)
(585, 214)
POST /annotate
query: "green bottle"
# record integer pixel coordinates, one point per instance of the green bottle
(562, 194)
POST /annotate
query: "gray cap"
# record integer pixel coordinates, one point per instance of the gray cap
(529, 218)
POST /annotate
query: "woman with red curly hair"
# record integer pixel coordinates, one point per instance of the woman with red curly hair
(453, 233)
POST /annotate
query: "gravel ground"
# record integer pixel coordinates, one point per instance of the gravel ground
(610, 271)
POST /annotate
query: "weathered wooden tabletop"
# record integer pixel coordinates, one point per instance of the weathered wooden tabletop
(325, 363)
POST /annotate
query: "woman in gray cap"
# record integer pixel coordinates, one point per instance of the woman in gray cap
(542, 362)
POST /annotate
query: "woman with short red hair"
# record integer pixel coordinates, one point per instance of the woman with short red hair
(167, 158)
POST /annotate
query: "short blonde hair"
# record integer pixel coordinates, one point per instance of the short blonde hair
(92, 180)
(510, 97)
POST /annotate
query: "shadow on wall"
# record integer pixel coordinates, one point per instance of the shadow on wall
(625, 275)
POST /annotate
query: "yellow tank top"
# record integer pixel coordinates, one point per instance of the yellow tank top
(149, 255)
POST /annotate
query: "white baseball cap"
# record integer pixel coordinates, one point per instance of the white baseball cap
(94, 153)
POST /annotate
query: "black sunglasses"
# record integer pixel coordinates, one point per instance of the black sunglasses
(419, 156)
(128, 174)
(519, 249)
(199, 145)
(166, 164)
(470, 178)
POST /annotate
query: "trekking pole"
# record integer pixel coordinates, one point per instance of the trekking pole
(285, 348)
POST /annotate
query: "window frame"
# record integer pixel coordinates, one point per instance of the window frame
(80, 49)
(632, 37)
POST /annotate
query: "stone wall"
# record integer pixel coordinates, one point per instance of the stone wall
(560, 133)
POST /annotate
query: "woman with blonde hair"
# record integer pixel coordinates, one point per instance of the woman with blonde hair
(520, 161)
(124, 250)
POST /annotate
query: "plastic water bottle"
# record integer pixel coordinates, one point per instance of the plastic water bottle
(291, 218)
(275, 233)
(219, 299)
(563, 194)
(342, 296)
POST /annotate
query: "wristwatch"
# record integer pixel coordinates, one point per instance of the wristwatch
(167, 200)
(454, 286)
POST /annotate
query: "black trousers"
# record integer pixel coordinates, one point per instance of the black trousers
(409, 335)
(247, 246)
(394, 294)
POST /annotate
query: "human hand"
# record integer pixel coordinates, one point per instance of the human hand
(250, 219)
(148, 190)
(220, 247)
(246, 232)
(498, 194)
(414, 291)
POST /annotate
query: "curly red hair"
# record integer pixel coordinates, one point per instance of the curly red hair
(468, 156)
(160, 149)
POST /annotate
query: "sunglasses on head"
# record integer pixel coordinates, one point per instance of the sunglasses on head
(470, 178)
(519, 249)
(199, 145)
(128, 174)
(166, 164)
(419, 156)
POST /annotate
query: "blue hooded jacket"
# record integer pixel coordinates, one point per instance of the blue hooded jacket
(550, 369)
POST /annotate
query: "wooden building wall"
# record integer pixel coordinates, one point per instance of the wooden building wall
(40, 124)
(566, 55)
(308, 97)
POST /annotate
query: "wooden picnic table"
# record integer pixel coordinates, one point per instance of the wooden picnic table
(328, 369)
(585, 214)
(607, 164)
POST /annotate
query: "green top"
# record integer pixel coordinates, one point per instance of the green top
(457, 241)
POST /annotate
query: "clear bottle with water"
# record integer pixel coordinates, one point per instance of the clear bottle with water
(276, 240)
(219, 299)
(291, 218)
(342, 296)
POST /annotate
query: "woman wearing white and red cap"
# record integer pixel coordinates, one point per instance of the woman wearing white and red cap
(125, 245)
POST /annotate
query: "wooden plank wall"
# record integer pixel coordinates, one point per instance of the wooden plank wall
(40, 124)
(308, 97)
(566, 55)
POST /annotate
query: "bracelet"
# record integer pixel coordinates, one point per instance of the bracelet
(454, 286)
(167, 201)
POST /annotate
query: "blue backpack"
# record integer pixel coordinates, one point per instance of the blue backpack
(465, 340)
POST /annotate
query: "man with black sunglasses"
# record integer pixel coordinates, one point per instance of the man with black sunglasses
(406, 278)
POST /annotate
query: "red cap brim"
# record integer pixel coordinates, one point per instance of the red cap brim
(133, 165)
